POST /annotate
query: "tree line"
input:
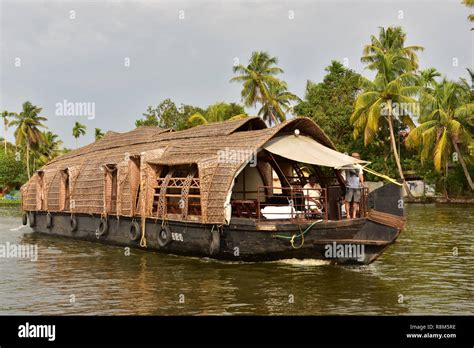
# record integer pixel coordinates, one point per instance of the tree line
(403, 120)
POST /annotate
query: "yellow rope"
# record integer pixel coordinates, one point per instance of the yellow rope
(143, 233)
(142, 200)
(373, 172)
(143, 237)
(292, 241)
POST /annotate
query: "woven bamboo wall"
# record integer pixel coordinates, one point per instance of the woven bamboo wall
(52, 187)
(29, 194)
(123, 189)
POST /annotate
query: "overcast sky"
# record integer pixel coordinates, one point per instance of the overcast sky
(48, 57)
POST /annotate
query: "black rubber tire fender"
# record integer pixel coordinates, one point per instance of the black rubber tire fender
(73, 224)
(49, 220)
(103, 227)
(164, 236)
(32, 218)
(24, 218)
(134, 233)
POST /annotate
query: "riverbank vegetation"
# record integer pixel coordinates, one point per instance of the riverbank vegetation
(410, 123)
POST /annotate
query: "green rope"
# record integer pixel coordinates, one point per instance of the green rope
(296, 236)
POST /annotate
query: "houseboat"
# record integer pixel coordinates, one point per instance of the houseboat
(234, 190)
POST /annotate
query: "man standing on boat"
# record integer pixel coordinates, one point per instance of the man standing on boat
(354, 184)
(312, 195)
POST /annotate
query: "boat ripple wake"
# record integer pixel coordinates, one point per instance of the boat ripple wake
(306, 262)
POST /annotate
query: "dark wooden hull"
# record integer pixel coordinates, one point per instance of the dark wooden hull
(246, 239)
(243, 239)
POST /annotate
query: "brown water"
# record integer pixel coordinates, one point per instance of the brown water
(420, 274)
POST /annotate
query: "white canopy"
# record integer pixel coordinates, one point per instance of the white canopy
(307, 150)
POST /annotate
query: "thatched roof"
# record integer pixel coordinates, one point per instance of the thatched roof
(199, 145)
(112, 140)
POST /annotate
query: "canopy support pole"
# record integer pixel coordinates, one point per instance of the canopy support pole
(279, 169)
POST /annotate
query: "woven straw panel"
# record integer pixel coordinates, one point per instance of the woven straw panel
(29, 194)
(52, 179)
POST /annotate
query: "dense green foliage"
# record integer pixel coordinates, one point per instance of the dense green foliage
(330, 104)
(168, 115)
(377, 111)
(217, 112)
(12, 171)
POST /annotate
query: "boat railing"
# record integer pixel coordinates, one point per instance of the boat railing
(180, 196)
(291, 204)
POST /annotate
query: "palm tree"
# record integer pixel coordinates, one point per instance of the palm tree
(376, 104)
(278, 104)
(78, 130)
(98, 134)
(391, 42)
(257, 77)
(428, 77)
(218, 112)
(27, 132)
(5, 115)
(394, 83)
(51, 145)
(447, 120)
(49, 148)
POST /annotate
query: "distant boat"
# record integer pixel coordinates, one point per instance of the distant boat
(209, 191)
